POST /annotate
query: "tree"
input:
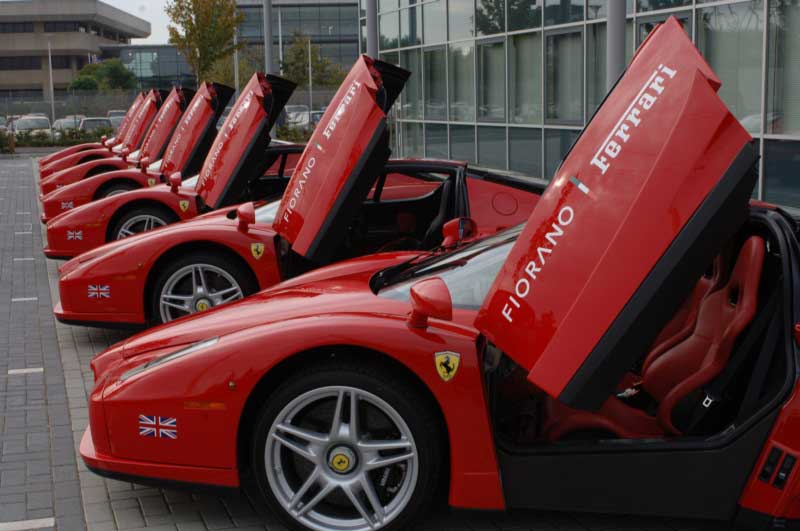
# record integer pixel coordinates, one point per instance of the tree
(108, 75)
(203, 31)
(295, 64)
(251, 60)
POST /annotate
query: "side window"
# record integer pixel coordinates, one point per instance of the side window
(408, 186)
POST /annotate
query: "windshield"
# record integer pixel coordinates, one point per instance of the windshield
(33, 123)
(468, 272)
(266, 213)
(191, 182)
(91, 125)
(155, 166)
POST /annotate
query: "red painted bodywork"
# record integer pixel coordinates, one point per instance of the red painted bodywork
(155, 142)
(186, 144)
(131, 140)
(232, 145)
(645, 177)
(128, 266)
(109, 143)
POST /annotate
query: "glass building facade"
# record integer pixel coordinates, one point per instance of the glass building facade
(509, 84)
(155, 66)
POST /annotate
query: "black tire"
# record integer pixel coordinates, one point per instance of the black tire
(415, 409)
(115, 188)
(165, 215)
(243, 276)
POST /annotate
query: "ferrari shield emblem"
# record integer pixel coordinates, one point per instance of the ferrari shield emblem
(257, 249)
(151, 181)
(184, 204)
(447, 364)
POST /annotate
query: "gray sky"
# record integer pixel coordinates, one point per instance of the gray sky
(151, 11)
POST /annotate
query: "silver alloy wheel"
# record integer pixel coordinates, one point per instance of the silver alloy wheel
(140, 223)
(116, 192)
(344, 471)
(196, 288)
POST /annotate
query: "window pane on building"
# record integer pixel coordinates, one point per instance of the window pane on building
(556, 145)
(462, 142)
(564, 78)
(492, 147)
(386, 5)
(436, 141)
(492, 81)
(462, 82)
(525, 151)
(730, 37)
(434, 22)
(562, 11)
(490, 16)
(435, 84)
(411, 26)
(782, 172)
(595, 66)
(783, 74)
(524, 14)
(363, 35)
(651, 5)
(525, 78)
(648, 24)
(389, 30)
(411, 97)
(460, 16)
(412, 139)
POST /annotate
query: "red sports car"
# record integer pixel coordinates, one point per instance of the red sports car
(129, 143)
(232, 253)
(355, 392)
(189, 142)
(105, 142)
(229, 175)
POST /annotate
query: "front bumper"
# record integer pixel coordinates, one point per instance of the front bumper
(99, 319)
(153, 473)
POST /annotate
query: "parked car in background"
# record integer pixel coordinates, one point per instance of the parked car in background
(116, 113)
(95, 123)
(116, 121)
(32, 124)
(63, 125)
(297, 116)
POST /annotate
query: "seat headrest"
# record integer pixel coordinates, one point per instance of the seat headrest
(746, 274)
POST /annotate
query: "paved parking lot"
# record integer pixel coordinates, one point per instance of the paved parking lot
(44, 384)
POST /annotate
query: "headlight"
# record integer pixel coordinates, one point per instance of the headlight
(168, 357)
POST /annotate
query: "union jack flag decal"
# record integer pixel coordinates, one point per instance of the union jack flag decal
(67, 205)
(74, 235)
(95, 291)
(158, 427)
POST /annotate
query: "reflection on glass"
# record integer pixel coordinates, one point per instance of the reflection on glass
(524, 78)
(460, 17)
(647, 25)
(783, 74)
(411, 26)
(363, 35)
(435, 85)
(386, 5)
(492, 82)
(389, 30)
(652, 5)
(462, 82)
(436, 141)
(524, 14)
(562, 11)
(490, 16)
(556, 145)
(412, 139)
(730, 38)
(462, 142)
(782, 172)
(492, 147)
(564, 78)
(411, 97)
(525, 151)
(435, 22)
(595, 66)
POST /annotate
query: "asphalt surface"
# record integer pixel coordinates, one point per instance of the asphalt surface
(44, 384)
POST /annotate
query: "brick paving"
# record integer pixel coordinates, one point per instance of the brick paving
(43, 415)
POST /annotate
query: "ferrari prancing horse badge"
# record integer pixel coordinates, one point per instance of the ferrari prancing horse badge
(257, 249)
(447, 364)
(184, 204)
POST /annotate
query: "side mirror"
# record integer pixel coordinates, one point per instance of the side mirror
(429, 298)
(175, 180)
(144, 163)
(246, 215)
(125, 153)
(457, 229)
(103, 139)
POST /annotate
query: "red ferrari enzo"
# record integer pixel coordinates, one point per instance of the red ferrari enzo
(230, 174)
(190, 136)
(132, 140)
(353, 393)
(105, 142)
(232, 253)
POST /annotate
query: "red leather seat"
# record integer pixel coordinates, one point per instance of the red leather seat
(685, 366)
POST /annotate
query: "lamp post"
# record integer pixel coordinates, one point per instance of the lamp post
(236, 63)
(50, 69)
(269, 67)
